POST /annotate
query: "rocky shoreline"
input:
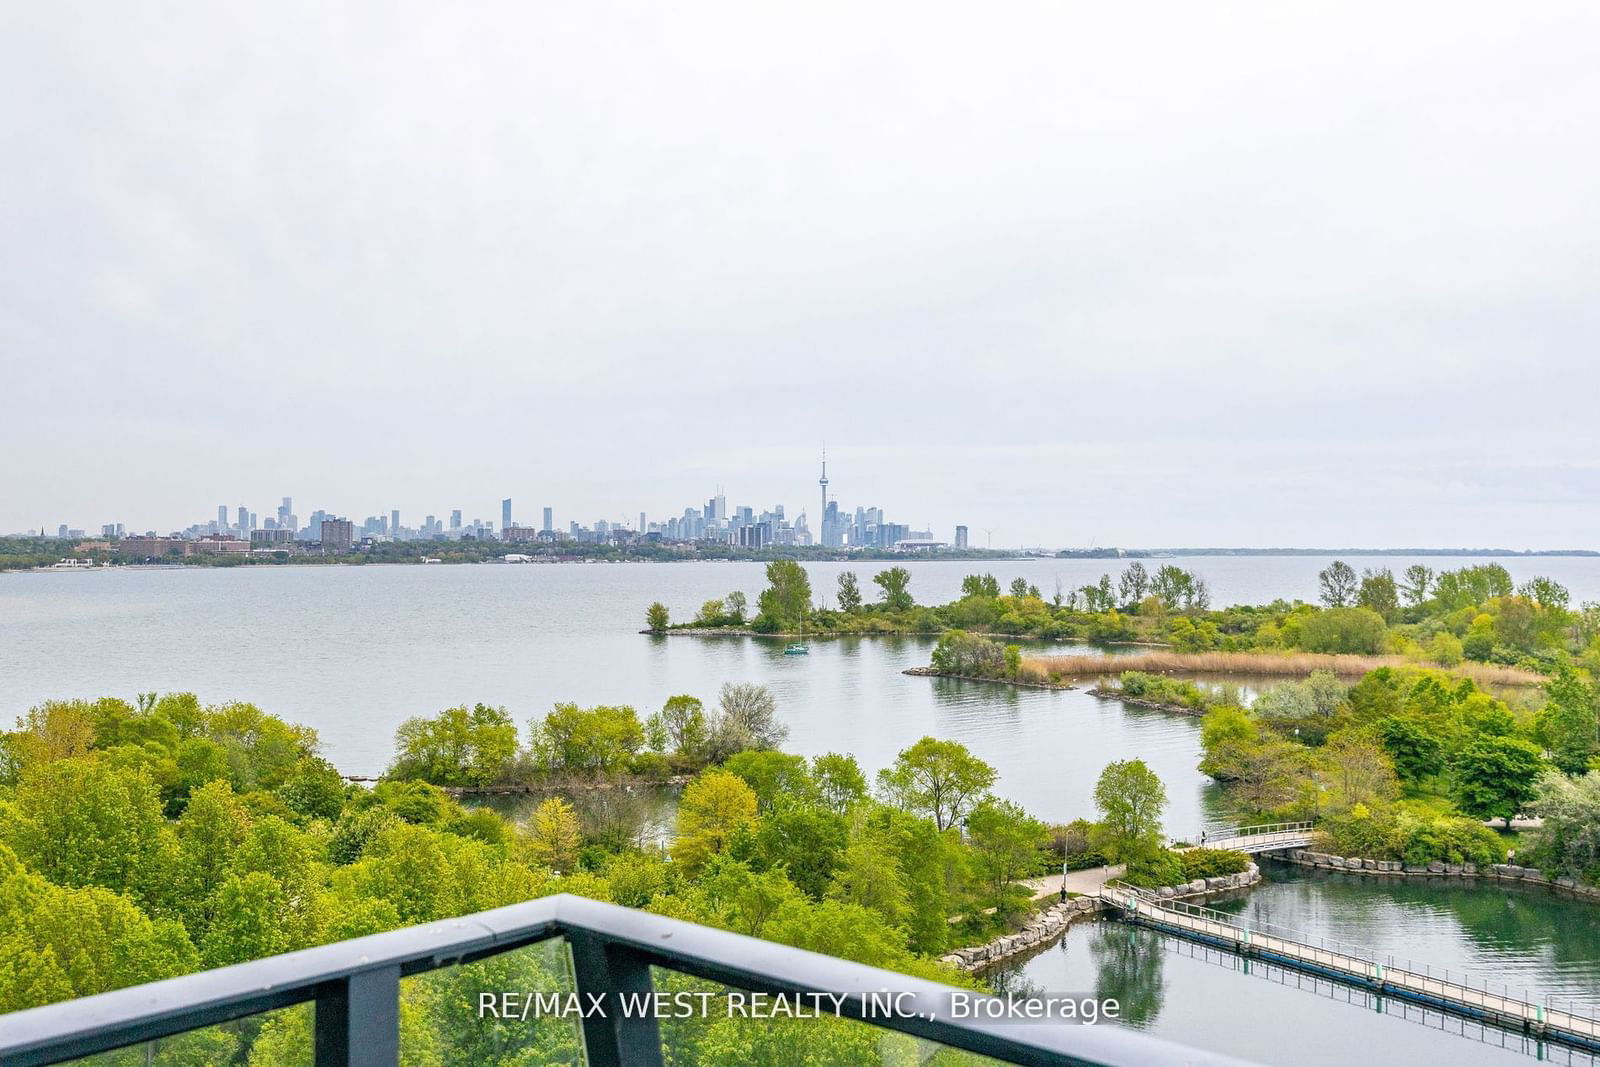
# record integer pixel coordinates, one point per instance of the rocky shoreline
(1503, 872)
(1045, 927)
(930, 672)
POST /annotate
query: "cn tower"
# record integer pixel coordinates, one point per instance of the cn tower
(822, 518)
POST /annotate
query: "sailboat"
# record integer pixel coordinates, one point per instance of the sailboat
(798, 648)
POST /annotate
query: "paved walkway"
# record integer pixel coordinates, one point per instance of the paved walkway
(1087, 882)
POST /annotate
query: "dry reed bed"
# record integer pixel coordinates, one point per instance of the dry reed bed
(1298, 664)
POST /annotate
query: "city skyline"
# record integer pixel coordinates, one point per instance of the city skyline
(742, 524)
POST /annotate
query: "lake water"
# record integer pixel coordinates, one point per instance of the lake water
(353, 651)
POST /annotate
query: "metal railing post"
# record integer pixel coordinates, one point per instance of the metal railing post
(616, 1038)
(358, 1020)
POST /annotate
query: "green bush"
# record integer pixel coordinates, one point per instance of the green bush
(1212, 862)
(1160, 868)
(1344, 630)
(1411, 838)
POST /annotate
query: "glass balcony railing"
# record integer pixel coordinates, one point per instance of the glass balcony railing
(559, 980)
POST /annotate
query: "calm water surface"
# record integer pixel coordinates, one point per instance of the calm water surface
(353, 651)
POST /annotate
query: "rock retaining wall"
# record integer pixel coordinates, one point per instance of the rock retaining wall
(1053, 921)
(1504, 872)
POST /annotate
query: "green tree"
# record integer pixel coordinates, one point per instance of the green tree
(457, 747)
(1568, 725)
(1133, 583)
(1007, 841)
(248, 921)
(714, 807)
(657, 618)
(1172, 586)
(1418, 581)
(587, 740)
(316, 789)
(939, 779)
(1416, 751)
(933, 864)
(1446, 649)
(1549, 595)
(57, 943)
(894, 582)
(786, 601)
(775, 777)
(840, 783)
(1379, 593)
(735, 604)
(849, 593)
(1493, 777)
(805, 841)
(980, 585)
(81, 822)
(552, 837)
(1130, 798)
(1338, 584)
(868, 874)
(1569, 841)
(683, 728)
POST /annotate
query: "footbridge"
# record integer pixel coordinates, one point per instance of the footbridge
(1403, 979)
(1268, 837)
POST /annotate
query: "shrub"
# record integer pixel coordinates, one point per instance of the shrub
(1411, 838)
(1343, 630)
(1212, 862)
(959, 652)
(1478, 646)
(1159, 868)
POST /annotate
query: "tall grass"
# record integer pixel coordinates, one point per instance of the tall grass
(1287, 664)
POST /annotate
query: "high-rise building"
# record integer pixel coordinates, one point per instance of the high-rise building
(394, 524)
(222, 518)
(641, 522)
(961, 537)
(336, 535)
(505, 513)
(549, 520)
(455, 519)
(244, 521)
(823, 482)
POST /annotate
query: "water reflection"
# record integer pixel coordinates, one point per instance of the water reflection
(1129, 968)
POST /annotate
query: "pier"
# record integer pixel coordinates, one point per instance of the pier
(1405, 979)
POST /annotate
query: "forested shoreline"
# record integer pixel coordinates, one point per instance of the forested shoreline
(151, 838)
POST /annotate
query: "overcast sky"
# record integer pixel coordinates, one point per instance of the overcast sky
(1188, 274)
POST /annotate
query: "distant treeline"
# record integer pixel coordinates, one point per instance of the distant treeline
(1363, 552)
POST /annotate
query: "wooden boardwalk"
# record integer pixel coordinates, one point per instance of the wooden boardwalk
(1465, 998)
